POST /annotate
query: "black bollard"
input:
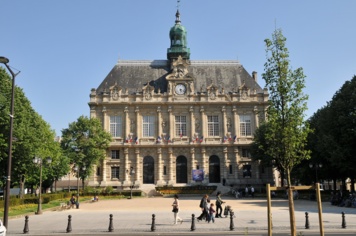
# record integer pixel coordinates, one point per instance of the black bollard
(343, 225)
(306, 220)
(193, 223)
(232, 227)
(153, 226)
(25, 229)
(111, 227)
(69, 227)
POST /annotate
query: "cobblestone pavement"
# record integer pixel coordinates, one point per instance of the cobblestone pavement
(134, 216)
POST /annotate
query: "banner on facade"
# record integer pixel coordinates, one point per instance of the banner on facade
(198, 175)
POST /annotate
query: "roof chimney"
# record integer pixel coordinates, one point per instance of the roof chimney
(254, 75)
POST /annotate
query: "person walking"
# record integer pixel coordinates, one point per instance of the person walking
(218, 203)
(252, 192)
(203, 206)
(175, 210)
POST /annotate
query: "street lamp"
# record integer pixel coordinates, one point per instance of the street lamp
(38, 161)
(77, 169)
(4, 61)
(316, 166)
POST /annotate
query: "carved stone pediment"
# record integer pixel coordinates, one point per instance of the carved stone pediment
(115, 92)
(179, 70)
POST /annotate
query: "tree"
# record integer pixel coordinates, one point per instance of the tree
(286, 132)
(32, 136)
(85, 142)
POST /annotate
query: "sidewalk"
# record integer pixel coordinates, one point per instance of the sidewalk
(135, 217)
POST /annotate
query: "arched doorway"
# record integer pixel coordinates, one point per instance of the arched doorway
(214, 169)
(181, 170)
(148, 170)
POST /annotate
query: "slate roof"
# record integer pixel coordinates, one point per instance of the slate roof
(133, 75)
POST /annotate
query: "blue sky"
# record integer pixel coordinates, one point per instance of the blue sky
(64, 48)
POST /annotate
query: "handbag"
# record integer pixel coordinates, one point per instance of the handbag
(175, 209)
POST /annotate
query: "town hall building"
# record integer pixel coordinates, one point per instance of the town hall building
(178, 121)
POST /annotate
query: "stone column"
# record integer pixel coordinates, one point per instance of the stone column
(192, 124)
(255, 111)
(126, 167)
(223, 110)
(203, 122)
(127, 123)
(171, 122)
(103, 172)
(192, 164)
(171, 181)
(137, 167)
(159, 120)
(160, 182)
(105, 119)
(204, 166)
(225, 163)
(137, 130)
(236, 161)
(236, 123)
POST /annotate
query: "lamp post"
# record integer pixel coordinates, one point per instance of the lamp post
(4, 61)
(77, 169)
(39, 161)
(316, 166)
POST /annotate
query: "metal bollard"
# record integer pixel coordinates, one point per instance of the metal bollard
(111, 227)
(25, 229)
(306, 220)
(231, 220)
(153, 226)
(193, 223)
(69, 227)
(343, 224)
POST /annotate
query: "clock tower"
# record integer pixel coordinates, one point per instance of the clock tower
(180, 82)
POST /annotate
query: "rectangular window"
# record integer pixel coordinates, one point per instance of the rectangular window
(213, 126)
(148, 126)
(115, 126)
(115, 172)
(115, 154)
(230, 169)
(98, 171)
(164, 170)
(181, 126)
(246, 153)
(245, 125)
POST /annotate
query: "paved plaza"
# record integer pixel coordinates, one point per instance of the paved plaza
(134, 217)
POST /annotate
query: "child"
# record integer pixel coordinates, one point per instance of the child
(212, 213)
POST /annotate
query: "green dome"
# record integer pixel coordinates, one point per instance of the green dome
(178, 37)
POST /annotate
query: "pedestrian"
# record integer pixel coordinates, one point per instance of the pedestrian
(203, 207)
(246, 191)
(208, 210)
(252, 192)
(218, 203)
(211, 213)
(175, 210)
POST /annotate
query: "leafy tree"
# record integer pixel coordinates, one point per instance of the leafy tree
(85, 142)
(32, 136)
(286, 132)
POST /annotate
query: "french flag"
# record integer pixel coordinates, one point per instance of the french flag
(136, 140)
(127, 139)
(194, 139)
(130, 140)
(168, 139)
(225, 138)
(201, 139)
(235, 138)
(159, 140)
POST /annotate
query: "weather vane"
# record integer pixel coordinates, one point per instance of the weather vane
(178, 2)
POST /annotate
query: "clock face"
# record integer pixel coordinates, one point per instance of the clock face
(181, 89)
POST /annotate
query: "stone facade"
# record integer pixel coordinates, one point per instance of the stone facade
(179, 122)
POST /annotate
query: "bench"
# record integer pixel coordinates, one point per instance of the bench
(65, 206)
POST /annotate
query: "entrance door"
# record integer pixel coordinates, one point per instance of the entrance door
(148, 170)
(214, 169)
(181, 170)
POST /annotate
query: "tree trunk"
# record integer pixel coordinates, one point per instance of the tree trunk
(22, 186)
(291, 206)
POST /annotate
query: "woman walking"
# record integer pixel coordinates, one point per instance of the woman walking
(218, 204)
(176, 210)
